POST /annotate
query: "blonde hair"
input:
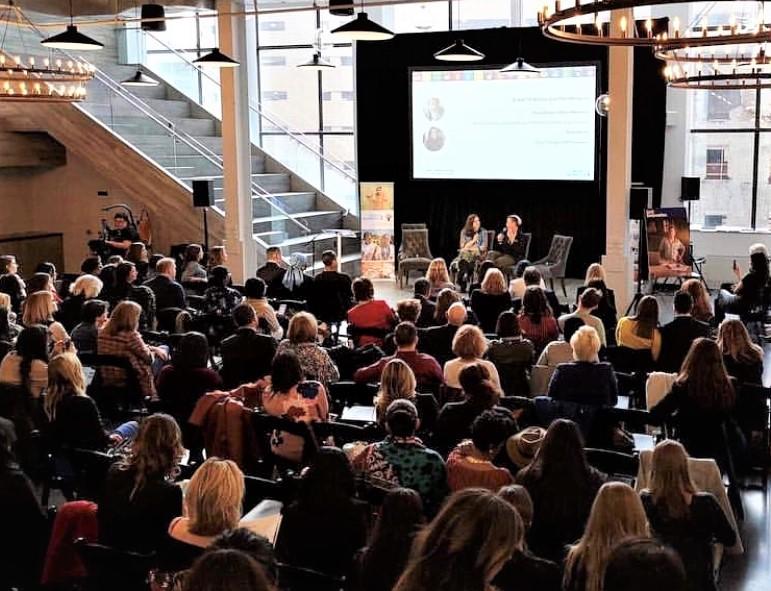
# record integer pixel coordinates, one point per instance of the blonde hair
(617, 514)
(214, 497)
(216, 256)
(124, 318)
(88, 286)
(670, 480)
(303, 328)
(702, 308)
(39, 308)
(469, 342)
(734, 341)
(397, 381)
(437, 272)
(494, 282)
(5, 301)
(595, 272)
(586, 344)
(65, 378)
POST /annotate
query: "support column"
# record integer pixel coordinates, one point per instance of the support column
(236, 144)
(616, 261)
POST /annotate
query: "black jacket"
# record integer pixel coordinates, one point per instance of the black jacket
(676, 339)
(584, 382)
(427, 309)
(246, 356)
(168, 293)
(437, 342)
(330, 296)
(526, 572)
(488, 307)
(273, 275)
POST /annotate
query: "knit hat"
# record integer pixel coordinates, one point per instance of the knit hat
(523, 446)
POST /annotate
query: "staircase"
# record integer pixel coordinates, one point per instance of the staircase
(286, 210)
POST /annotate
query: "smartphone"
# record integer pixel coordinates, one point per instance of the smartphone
(734, 265)
(308, 390)
(282, 309)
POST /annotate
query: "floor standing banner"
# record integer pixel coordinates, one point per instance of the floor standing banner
(378, 254)
(669, 237)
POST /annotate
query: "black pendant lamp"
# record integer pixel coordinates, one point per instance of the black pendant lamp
(139, 79)
(72, 39)
(459, 51)
(216, 59)
(362, 29)
(522, 69)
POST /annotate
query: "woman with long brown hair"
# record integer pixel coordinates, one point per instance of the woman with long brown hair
(617, 514)
(536, 319)
(683, 518)
(472, 247)
(702, 307)
(465, 546)
(641, 331)
(743, 359)
(703, 398)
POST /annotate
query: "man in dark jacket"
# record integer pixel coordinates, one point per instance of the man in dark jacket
(272, 273)
(427, 307)
(331, 296)
(168, 293)
(677, 336)
(247, 354)
(437, 340)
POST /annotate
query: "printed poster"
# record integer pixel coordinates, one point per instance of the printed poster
(378, 253)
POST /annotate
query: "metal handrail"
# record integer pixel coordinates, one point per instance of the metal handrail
(257, 107)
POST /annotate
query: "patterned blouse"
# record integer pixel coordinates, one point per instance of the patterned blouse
(315, 361)
(130, 345)
(221, 300)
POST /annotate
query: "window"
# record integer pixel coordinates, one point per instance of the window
(272, 26)
(275, 95)
(717, 165)
(274, 60)
(721, 103)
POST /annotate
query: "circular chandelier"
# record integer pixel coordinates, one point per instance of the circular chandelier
(54, 78)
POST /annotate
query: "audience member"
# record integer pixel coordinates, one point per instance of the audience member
(470, 464)
(192, 271)
(86, 333)
(606, 310)
(221, 299)
(224, 570)
(383, 560)
(82, 290)
(291, 396)
(522, 447)
(302, 340)
(558, 352)
(484, 266)
(427, 308)
(42, 281)
(702, 306)
(325, 526)
(9, 330)
(218, 257)
(137, 254)
(27, 364)
(39, 308)
(683, 518)
(588, 302)
(641, 332)
(246, 354)
(469, 345)
(437, 340)
(490, 300)
(465, 546)
(370, 320)
(424, 367)
(398, 382)
(125, 290)
(168, 293)
(252, 544)
(139, 498)
(152, 266)
(512, 355)
(401, 459)
(642, 564)
(91, 265)
(331, 293)
(536, 320)
(11, 283)
(747, 292)
(742, 358)
(531, 277)
(677, 336)
(559, 465)
(406, 311)
(255, 297)
(703, 399)
(272, 273)
(438, 277)
(298, 285)
(617, 514)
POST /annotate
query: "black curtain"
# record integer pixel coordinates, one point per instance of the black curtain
(547, 207)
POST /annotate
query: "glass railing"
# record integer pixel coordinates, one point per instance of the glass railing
(300, 153)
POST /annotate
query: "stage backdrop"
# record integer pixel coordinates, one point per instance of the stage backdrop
(547, 207)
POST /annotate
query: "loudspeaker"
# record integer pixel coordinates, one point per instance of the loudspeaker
(153, 11)
(690, 188)
(203, 193)
(346, 10)
(639, 201)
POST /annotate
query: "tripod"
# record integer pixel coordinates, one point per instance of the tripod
(638, 295)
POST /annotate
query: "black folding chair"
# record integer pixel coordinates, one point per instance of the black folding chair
(619, 466)
(295, 578)
(113, 569)
(752, 414)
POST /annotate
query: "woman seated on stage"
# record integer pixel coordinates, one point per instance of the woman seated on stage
(749, 290)
(473, 247)
(509, 248)
(536, 319)
(743, 359)
(702, 306)
(641, 331)
(438, 277)
(490, 300)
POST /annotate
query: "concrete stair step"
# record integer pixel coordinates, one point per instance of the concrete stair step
(315, 220)
(114, 106)
(132, 126)
(315, 243)
(292, 202)
(196, 166)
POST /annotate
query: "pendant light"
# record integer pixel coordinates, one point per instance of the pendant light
(522, 69)
(362, 29)
(72, 39)
(317, 62)
(140, 79)
(216, 59)
(459, 51)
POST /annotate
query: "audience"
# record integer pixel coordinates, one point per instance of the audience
(192, 271)
(26, 365)
(220, 299)
(642, 564)
(641, 332)
(302, 340)
(427, 308)
(465, 546)
(401, 459)
(559, 465)
(168, 293)
(617, 514)
(82, 290)
(490, 300)
(588, 302)
(246, 354)
(536, 320)
(438, 277)
(370, 320)
(677, 336)
(86, 333)
(331, 293)
(255, 296)
(424, 367)
(384, 558)
(742, 358)
(683, 518)
(272, 273)
(512, 355)
(469, 345)
(702, 306)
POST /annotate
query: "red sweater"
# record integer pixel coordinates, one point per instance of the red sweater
(426, 369)
(372, 314)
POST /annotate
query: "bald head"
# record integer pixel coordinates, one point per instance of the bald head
(456, 314)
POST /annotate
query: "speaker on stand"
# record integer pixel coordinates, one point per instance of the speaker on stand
(341, 7)
(203, 196)
(690, 190)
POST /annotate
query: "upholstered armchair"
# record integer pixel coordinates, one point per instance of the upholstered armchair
(414, 254)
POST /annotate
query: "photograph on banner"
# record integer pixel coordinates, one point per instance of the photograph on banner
(669, 239)
(378, 253)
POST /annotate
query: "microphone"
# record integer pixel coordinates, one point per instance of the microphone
(501, 235)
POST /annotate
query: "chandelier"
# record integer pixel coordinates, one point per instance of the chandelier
(52, 78)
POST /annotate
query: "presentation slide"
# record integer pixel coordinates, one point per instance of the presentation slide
(484, 124)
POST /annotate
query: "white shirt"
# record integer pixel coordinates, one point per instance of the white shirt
(453, 368)
(589, 320)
